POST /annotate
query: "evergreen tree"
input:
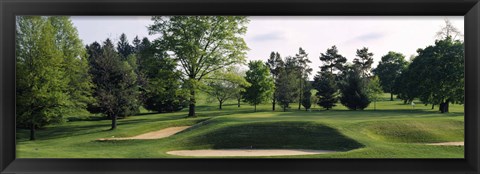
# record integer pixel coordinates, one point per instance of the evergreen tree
(363, 61)
(332, 61)
(307, 95)
(326, 90)
(287, 89)
(275, 63)
(116, 88)
(353, 90)
(304, 71)
(325, 82)
(123, 47)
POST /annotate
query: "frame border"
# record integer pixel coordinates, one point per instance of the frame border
(468, 8)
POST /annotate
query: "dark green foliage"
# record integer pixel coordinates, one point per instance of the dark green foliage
(354, 90)
(332, 61)
(363, 61)
(287, 88)
(116, 89)
(304, 71)
(159, 80)
(325, 85)
(307, 96)
(325, 82)
(389, 70)
(123, 47)
(261, 82)
(436, 75)
(275, 64)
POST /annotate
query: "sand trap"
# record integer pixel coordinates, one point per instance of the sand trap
(247, 152)
(459, 143)
(152, 135)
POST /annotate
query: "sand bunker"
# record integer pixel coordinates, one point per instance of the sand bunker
(459, 143)
(152, 135)
(247, 152)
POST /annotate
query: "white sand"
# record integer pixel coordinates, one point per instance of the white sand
(247, 152)
(152, 135)
(460, 143)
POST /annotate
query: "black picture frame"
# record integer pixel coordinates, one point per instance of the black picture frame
(470, 9)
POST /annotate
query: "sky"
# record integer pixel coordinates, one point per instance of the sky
(285, 35)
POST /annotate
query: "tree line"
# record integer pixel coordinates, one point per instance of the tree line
(57, 75)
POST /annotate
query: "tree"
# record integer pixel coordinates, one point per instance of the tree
(261, 82)
(304, 72)
(116, 88)
(363, 61)
(332, 61)
(75, 63)
(374, 90)
(287, 83)
(307, 96)
(123, 47)
(202, 44)
(438, 71)
(449, 30)
(59, 38)
(325, 82)
(158, 79)
(224, 85)
(42, 84)
(326, 88)
(389, 69)
(274, 63)
(353, 89)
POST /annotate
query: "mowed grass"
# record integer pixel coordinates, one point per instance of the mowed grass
(393, 130)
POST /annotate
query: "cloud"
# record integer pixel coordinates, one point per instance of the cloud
(265, 37)
(369, 37)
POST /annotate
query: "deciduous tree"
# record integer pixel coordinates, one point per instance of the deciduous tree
(201, 44)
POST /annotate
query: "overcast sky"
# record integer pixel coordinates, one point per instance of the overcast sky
(286, 34)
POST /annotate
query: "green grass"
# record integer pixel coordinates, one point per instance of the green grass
(394, 130)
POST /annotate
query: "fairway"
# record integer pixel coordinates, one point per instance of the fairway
(393, 130)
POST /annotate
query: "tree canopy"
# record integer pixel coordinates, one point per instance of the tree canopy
(201, 44)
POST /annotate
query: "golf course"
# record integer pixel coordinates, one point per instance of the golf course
(393, 130)
(192, 89)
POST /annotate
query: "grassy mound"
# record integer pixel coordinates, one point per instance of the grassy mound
(278, 135)
(417, 131)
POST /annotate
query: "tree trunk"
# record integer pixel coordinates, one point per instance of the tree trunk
(273, 101)
(284, 108)
(191, 107)
(114, 122)
(433, 106)
(238, 100)
(32, 131)
(375, 105)
(391, 96)
(300, 96)
(447, 103)
(220, 106)
(255, 106)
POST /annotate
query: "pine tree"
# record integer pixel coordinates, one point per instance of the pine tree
(354, 90)
(326, 90)
(116, 88)
(363, 61)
